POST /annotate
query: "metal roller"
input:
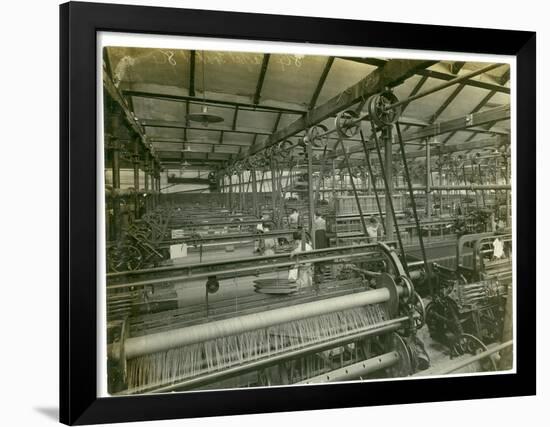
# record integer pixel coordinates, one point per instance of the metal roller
(162, 341)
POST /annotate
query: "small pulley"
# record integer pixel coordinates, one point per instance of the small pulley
(347, 123)
(317, 136)
(212, 285)
(380, 109)
(284, 149)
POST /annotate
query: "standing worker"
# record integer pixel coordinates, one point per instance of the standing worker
(319, 231)
(268, 243)
(304, 275)
(373, 230)
(294, 219)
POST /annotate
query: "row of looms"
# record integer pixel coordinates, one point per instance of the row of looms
(285, 219)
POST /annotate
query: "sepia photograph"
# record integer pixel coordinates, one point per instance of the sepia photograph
(282, 217)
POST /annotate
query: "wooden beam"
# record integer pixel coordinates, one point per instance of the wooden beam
(478, 107)
(321, 82)
(234, 125)
(392, 74)
(120, 100)
(505, 77)
(465, 122)
(415, 90)
(277, 121)
(182, 125)
(465, 146)
(436, 75)
(261, 77)
(446, 149)
(192, 73)
(179, 141)
(181, 180)
(445, 104)
(175, 147)
(460, 123)
(470, 82)
(457, 66)
(212, 99)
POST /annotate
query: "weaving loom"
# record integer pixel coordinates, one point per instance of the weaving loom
(349, 329)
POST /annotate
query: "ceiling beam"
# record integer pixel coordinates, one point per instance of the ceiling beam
(211, 100)
(261, 77)
(436, 75)
(234, 125)
(478, 107)
(415, 90)
(177, 146)
(392, 74)
(321, 82)
(505, 77)
(445, 104)
(465, 122)
(460, 123)
(192, 73)
(440, 149)
(465, 146)
(180, 125)
(457, 66)
(277, 121)
(469, 82)
(118, 97)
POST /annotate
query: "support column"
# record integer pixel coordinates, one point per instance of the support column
(428, 185)
(153, 181)
(241, 192)
(310, 197)
(508, 195)
(114, 144)
(135, 160)
(116, 186)
(230, 193)
(273, 187)
(146, 180)
(387, 138)
(254, 193)
(158, 183)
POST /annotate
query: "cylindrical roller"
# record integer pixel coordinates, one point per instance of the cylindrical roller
(360, 369)
(161, 341)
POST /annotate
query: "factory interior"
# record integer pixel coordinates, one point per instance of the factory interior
(282, 219)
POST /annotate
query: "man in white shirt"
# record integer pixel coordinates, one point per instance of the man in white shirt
(319, 231)
(305, 271)
(372, 230)
(498, 248)
(294, 219)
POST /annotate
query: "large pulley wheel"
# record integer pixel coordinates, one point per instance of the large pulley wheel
(380, 110)
(385, 281)
(347, 124)
(284, 149)
(470, 344)
(420, 311)
(404, 367)
(317, 136)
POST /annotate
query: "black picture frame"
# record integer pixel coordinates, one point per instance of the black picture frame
(79, 24)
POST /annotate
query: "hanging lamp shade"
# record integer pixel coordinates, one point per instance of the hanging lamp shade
(204, 117)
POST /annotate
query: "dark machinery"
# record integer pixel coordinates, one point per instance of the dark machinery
(469, 306)
(351, 328)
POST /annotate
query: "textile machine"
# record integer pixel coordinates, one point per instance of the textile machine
(472, 306)
(360, 323)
